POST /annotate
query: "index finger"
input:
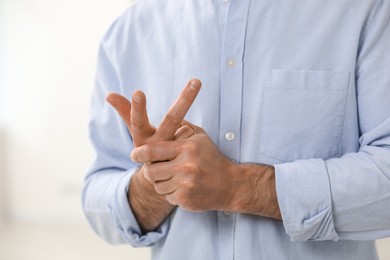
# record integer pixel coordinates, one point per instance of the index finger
(176, 113)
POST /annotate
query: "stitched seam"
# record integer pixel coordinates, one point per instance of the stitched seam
(345, 111)
(371, 17)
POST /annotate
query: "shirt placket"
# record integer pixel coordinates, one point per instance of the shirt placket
(231, 104)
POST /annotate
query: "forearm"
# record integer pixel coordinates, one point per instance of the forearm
(149, 208)
(255, 191)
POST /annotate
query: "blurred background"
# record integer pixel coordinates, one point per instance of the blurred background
(48, 51)
(47, 63)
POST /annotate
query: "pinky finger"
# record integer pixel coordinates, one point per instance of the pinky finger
(171, 198)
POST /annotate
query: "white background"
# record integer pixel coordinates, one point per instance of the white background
(47, 63)
(48, 51)
(48, 55)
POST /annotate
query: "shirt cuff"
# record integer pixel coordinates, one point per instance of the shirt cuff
(304, 196)
(125, 221)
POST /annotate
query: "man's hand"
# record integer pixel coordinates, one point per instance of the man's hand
(149, 207)
(136, 118)
(191, 173)
(195, 175)
(189, 170)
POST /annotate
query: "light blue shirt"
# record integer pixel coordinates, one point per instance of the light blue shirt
(302, 85)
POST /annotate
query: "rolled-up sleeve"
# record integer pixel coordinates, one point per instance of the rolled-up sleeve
(348, 197)
(305, 200)
(125, 221)
(105, 190)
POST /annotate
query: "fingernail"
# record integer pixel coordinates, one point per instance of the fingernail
(194, 84)
(137, 98)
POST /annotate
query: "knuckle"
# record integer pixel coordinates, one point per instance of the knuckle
(191, 148)
(188, 184)
(189, 168)
(182, 198)
(136, 123)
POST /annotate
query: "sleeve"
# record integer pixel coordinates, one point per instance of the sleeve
(348, 197)
(104, 197)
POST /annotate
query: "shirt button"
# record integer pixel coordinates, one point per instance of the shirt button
(225, 1)
(231, 63)
(227, 213)
(229, 136)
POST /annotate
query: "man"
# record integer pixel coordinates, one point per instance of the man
(285, 153)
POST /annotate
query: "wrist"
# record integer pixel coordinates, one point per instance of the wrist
(141, 194)
(254, 191)
(239, 188)
(142, 189)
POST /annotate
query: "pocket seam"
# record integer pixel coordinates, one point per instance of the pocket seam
(298, 76)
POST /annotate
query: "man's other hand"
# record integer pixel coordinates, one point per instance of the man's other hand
(135, 116)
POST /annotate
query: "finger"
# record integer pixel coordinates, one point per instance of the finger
(159, 171)
(178, 110)
(172, 199)
(195, 128)
(184, 132)
(155, 152)
(140, 126)
(122, 105)
(165, 187)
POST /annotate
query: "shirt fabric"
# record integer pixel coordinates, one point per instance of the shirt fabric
(301, 85)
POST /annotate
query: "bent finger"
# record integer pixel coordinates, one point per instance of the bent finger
(172, 199)
(165, 187)
(195, 128)
(159, 171)
(155, 152)
(184, 132)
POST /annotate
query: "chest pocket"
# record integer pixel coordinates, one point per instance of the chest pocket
(302, 114)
